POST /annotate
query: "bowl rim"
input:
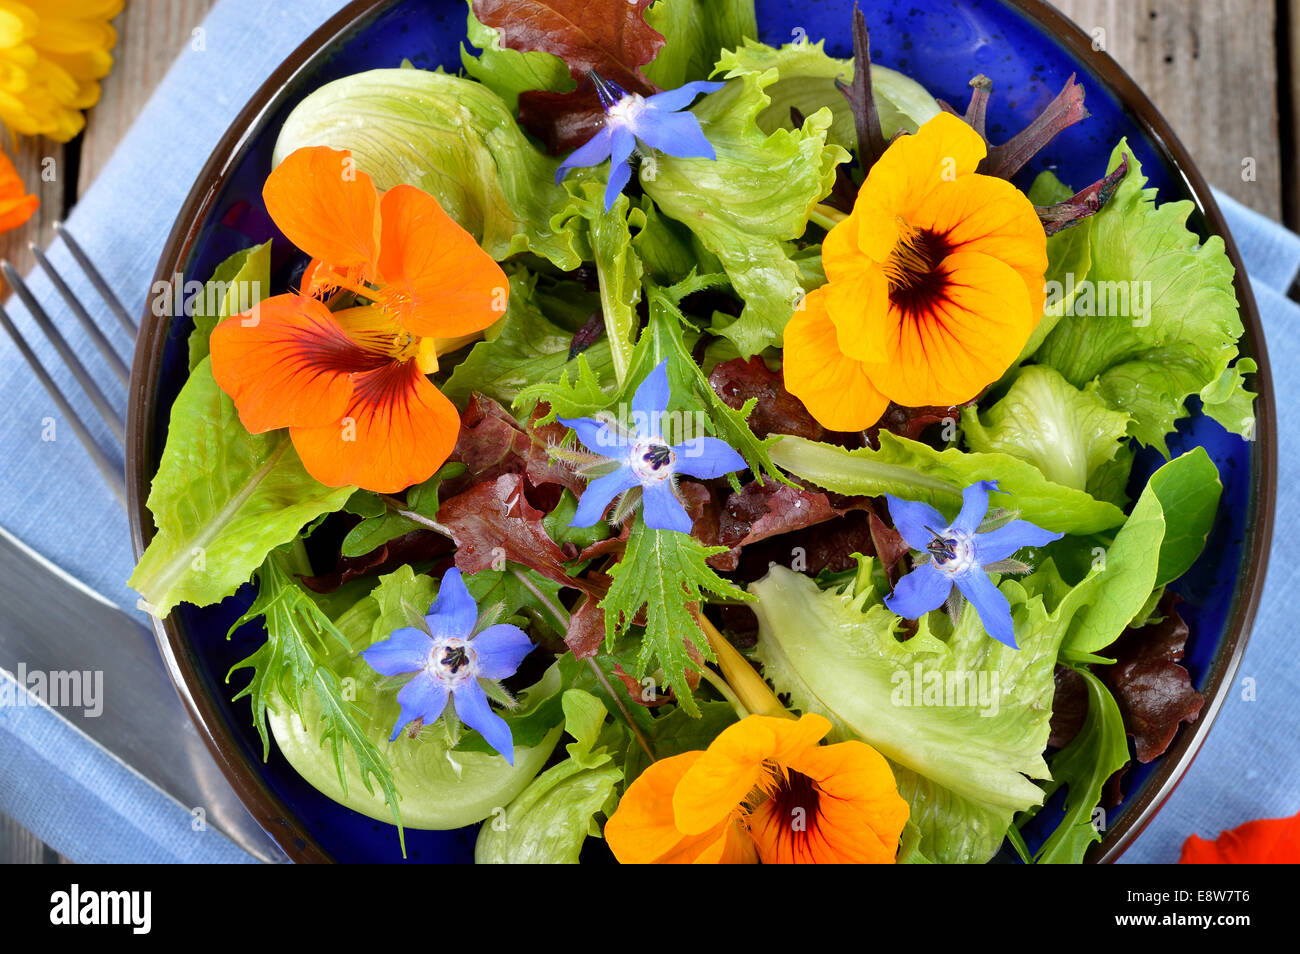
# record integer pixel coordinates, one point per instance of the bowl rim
(243, 774)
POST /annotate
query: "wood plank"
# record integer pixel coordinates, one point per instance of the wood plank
(1211, 68)
(150, 35)
(18, 846)
(40, 164)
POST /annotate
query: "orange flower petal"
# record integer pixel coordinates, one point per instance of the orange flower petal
(397, 430)
(733, 766)
(1267, 841)
(848, 303)
(641, 830)
(962, 343)
(443, 283)
(16, 206)
(327, 207)
(836, 389)
(989, 215)
(851, 813)
(286, 363)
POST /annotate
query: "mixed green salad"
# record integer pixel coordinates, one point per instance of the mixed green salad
(661, 437)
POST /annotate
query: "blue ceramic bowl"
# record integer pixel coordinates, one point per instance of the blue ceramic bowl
(1025, 46)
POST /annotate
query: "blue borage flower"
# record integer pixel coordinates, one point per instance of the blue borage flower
(956, 559)
(451, 662)
(644, 462)
(658, 121)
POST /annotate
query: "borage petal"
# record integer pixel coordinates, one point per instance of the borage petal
(500, 649)
(1004, 541)
(454, 612)
(676, 134)
(597, 436)
(422, 698)
(591, 153)
(438, 281)
(622, 145)
(596, 498)
(920, 591)
(406, 650)
(707, 457)
(974, 505)
(993, 609)
(650, 401)
(663, 511)
(674, 99)
(915, 521)
(472, 707)
(288, 363)
(398, 430)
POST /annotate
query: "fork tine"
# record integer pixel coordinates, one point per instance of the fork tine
(78, 310)
(105, 292)
(107, 469)
(111, 416)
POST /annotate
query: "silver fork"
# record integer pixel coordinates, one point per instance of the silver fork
(111, 471)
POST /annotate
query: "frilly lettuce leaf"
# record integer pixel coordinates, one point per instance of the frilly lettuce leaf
(1069, 259)
(238, 283)
(222, 500)
(751, 202)
(807, 83)
(524, 348)
(836, 653)
(1178, 334)
(1065, 432)
(440, 787)
(548, 822)
(451, 137)
(916, 471)
(694, 31)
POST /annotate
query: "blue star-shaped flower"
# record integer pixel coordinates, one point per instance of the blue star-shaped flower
(957, 555)
(646, 460)
(450, 662)
(655, 120)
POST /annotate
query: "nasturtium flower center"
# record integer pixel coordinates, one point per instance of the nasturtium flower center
(916, 282)
(652, 460)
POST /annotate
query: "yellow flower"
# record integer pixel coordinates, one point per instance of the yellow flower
(52, 54)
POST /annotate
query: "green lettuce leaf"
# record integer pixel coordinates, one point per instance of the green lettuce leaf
(1228, 402)
(239, 283)
(548, 822)
(694, 31)
(1157, 320)
(1065, 432)
(1097, 752)
(916, 471)
(222, 500)
(1069, 259)
(807, 83)
(524, 348)
(751, 202)
(453, 138)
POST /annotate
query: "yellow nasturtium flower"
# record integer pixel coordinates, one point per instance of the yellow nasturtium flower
(52, 55)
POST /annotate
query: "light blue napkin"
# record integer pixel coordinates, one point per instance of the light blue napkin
(52, 498)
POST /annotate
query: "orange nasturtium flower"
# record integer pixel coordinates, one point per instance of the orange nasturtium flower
(16, 204)
(935, 283)
(764, 790)
(352, 385)
(1267, 841)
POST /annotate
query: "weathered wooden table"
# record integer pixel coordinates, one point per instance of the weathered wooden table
(1221, 71)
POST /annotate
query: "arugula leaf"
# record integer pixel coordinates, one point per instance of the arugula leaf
(549, 821)
(222, 500)
(1178, 334)
(749, 203)
(665, 573)
(916, 471)
(289, 671)
(807, 83)
(1066, 432)
(453, 138)
(524, 348)
(1094, 755)
(694, 31)
(239, 283)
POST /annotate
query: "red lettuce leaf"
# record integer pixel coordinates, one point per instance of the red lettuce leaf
(608, 36)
